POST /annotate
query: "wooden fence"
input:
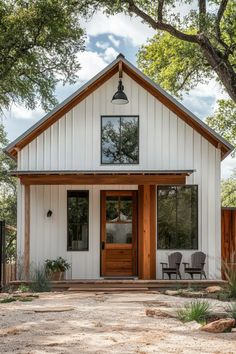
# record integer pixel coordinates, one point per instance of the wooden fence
(10, 272)
(228, 237)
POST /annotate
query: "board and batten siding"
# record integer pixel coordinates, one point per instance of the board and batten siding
(165, 142)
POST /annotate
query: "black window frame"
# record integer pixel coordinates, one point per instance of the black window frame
(76, 193)
(118, 116)
(197, 219)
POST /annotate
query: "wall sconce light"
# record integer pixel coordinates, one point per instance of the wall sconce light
(49, 213)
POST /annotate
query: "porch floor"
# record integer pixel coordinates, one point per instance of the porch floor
(120, 285)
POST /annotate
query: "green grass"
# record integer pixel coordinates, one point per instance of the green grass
(24, 288)
(197, 310)
(25, 299)
(7, 300)
(40, 281)
(231, 310)
(230, 274)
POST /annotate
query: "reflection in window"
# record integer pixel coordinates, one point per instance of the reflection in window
(78, 218)
(119, 211)
(120, 143)
(177, 217)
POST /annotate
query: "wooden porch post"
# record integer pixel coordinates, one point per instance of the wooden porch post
(27, 232)
(147, 232)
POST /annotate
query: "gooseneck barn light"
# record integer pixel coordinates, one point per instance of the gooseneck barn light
(120, 97)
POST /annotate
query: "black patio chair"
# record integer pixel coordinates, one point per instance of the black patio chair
(197, 265)
(172, 267)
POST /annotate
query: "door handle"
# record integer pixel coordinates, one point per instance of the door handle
(103, 245)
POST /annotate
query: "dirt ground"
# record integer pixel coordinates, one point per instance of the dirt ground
(104, 323)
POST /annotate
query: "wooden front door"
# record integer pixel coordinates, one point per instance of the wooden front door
(119, 233)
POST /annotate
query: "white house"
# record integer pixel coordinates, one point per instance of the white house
(116, 188)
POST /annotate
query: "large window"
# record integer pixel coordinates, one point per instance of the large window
(120, 140)
(78, 220)
(177, 217)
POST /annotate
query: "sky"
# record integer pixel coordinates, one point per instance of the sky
(106, 38)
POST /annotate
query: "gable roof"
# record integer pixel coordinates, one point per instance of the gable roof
(104, 75)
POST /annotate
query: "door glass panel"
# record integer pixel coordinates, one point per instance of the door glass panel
(126, 208)
(112, 208)
(119, 232)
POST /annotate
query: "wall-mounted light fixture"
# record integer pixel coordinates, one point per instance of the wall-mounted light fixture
(49, 213)
(120, 97)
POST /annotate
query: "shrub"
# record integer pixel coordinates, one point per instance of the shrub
(56, 265)
(7, 299)
(195, 311)
(39, 280)
(23, 288)
(230, 275)
(231, 310)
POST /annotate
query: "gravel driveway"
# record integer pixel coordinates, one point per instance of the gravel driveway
(103, 323)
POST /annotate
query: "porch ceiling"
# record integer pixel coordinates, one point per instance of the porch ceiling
(161, 177)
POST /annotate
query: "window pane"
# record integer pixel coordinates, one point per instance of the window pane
(112, 208)
(129, 140)
(126, 208)
(177, 217)
(118, 233)
(167, 217)
(110, 139)
(120, 143)
(78, 209)
(187, 218)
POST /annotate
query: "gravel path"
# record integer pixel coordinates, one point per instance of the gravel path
(104, 323)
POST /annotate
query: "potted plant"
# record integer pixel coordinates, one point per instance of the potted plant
(55, 268)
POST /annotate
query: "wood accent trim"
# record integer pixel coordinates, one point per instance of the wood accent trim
(153, 230)
(147, 232)
(102, 179)
(106, 76)
(27, 232)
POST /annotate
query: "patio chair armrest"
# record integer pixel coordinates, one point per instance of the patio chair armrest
(185, 264)
(163, 263)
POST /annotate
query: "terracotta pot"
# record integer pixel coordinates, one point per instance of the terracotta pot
(57, 276)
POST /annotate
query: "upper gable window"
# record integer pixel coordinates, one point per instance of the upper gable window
(120, 140)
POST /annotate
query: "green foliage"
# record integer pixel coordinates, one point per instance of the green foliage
(7, 300)
(230, 275)
(187, 47)
(39, 42)
(39, 279)
(231, 310)
(23, 288)
(198, 310)
(223, 120)
(56, 265)
(174, 64)
(228, 191)
(7, 196)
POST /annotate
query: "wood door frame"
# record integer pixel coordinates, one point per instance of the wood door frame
(103, 194)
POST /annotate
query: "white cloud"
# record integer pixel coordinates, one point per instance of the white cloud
(227, 166)
(91, 64)
(109, 55)
(129, 27)
(102, 45)
(114, 41)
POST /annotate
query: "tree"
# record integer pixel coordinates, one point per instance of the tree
(228, 191)
(224, 120)
(39, 41)
(207, 32)
(7, 196)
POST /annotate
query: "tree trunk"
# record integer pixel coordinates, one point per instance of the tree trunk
(220, 65)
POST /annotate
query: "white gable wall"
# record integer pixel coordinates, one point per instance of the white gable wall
(166, 142)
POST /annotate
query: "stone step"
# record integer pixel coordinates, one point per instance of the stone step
(96, 289)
